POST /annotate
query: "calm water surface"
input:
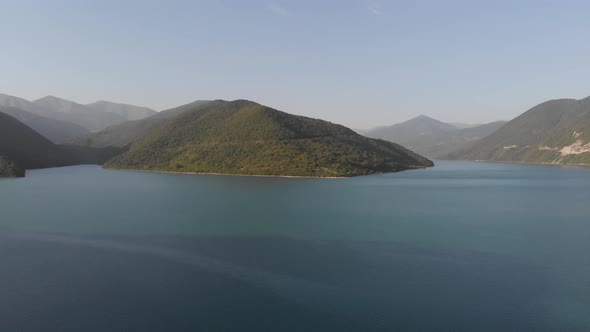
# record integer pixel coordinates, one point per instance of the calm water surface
(460, 247)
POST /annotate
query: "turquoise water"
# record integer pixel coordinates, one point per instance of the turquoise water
(459, 247)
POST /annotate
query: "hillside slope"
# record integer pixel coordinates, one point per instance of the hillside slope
(557, 131)
(87, 117)
(243, 137)
(129, 112)
(432, 138)
(23, 148)
(54, 130)
(124, 134)
(441, 145)
(26, 147)
(411, 130)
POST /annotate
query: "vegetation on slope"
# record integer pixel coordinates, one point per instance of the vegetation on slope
(242, 137)
(557, 131)
(122, 135)
(9, 169)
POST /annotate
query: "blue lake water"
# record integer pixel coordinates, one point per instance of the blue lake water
(459, 247)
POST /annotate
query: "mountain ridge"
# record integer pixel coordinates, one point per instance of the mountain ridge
(122, 135)
(243, 137)
(431, 137)
(55, 130)
(556, 131)
(127, 111)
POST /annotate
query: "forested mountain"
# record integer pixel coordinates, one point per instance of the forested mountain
(243, 137)
(433, 138)
(556, 131)
(126, 133)
(55, 130)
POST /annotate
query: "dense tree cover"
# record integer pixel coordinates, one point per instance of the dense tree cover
(242, 137)
(9, 169)
(539, 135)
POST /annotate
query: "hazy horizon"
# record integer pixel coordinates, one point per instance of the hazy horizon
(358, 63)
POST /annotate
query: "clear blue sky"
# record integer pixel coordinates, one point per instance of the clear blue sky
(361, 63)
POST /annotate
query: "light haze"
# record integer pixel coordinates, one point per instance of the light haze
(356, 62)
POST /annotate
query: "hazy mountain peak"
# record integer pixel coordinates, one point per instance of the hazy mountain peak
(127, 111)
(423, 117)
(60, 104)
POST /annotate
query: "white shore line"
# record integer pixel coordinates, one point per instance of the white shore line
(517, 162)
(230, 174)
(254, 175)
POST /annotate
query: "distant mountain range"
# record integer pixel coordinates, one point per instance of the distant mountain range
(433, 138)
(22, 148)
(124, 134)
(243, 137)
(54, 130)
(73, 119)
(556, 132)
(239, 137)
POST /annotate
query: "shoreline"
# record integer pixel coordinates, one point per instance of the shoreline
(518, 162)
(230, 174)
(254, 175)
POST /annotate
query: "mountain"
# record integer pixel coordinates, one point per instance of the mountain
(441, 145)
(23, 148)
(129, 112)
(432, 138)
(243, 137)
(54, 130)
(462, 125)
(25, 105)
(82, 115)
(409, 131)
(124, 134)
(26, 147)
(556, 131)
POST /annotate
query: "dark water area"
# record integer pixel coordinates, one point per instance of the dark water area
(459, 247)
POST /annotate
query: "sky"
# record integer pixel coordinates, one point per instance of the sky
(360, 63)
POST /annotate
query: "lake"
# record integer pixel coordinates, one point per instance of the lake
(459, 247)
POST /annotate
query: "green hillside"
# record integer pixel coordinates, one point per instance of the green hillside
(124, 134)
(557, 131)
(242, 137)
